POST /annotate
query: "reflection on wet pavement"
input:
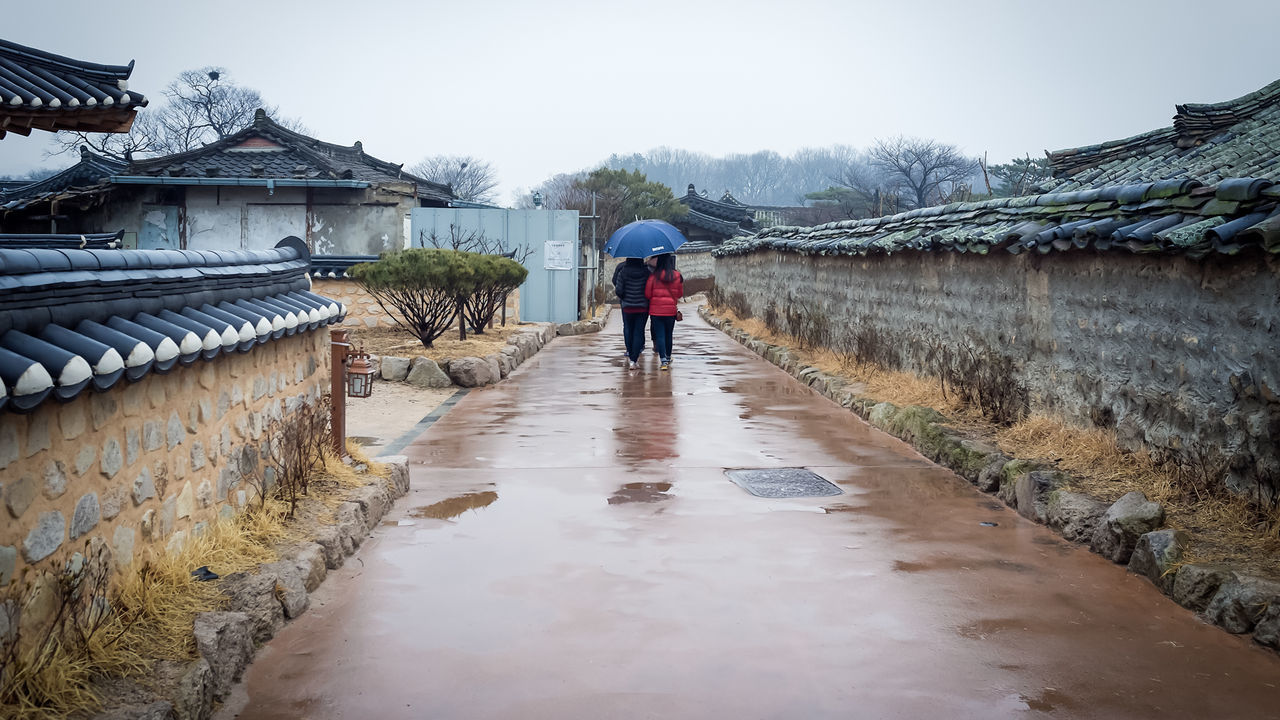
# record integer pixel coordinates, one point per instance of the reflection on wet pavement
(623, 575)
(641, 492)
(454, 507)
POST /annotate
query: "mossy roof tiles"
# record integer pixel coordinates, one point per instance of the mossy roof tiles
(1209, 184)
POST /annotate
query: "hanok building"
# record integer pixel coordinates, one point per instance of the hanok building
(710, 222)
(241, 193)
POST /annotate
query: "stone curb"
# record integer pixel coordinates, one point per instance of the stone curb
(1128, 531)
(261, 603)
(468, 372)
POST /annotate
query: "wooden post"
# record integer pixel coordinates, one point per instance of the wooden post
(338, 349)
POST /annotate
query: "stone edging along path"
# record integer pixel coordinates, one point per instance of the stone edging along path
(257, 606)
(469, 372)
(1129, 531)
(260, 603)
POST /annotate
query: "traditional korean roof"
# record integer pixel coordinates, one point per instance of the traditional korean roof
(74, 320)
(1170, 216)
(725, 209)
(263, 153)
(85, 176)
(43, 91)
(728, 228)
(93, 241)
(1207, 143)
(1206, 185)
(697, 246)
(267, 149)
(336, 266)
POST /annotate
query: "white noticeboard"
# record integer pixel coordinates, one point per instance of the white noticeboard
(557, 255)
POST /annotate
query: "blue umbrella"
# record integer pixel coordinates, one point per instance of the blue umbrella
(644, 238)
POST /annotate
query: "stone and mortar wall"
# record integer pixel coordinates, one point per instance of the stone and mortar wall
(1172, 353)
(364, 311)
(1130, 531)
(144, 465)
(698, 270)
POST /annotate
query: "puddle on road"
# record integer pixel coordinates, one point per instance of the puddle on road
(951, 563)
(641, 492)
(983, 629)
(453, 507)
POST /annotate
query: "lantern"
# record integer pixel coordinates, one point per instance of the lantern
(359, 375)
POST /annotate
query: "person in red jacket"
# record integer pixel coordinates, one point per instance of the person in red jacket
(664, 290)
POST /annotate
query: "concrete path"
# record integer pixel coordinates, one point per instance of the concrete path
(571, 548)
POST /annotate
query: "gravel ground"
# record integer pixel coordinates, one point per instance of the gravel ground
(392, 410)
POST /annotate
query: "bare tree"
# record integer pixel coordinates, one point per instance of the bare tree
(201, 106)
(474, 241)
(470, 178)
(872, 188)
(923, 170)
(1019, 176)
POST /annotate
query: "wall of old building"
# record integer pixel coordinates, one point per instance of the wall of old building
(333, 221)
(1175, 354)
(145, 465)
(378, 222)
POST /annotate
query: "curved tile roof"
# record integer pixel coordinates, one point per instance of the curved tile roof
(1208, 143)
(725, 209)
(1171, 217)
(268, 149)
(105, 241)
(728, 228)
(40, 90)
(336, 266)
(87, 173)
(1209, 184)
(73, 320)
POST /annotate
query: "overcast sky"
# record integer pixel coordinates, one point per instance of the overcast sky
(539, 87)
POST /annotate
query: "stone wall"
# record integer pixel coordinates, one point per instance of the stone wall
(147, 464)
(364, 311)
(698, 270)
(1174, 354)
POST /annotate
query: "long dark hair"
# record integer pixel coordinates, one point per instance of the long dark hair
(666, 268)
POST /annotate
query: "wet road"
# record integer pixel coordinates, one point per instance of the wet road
(571, 548)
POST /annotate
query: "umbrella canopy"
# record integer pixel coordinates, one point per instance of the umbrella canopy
(644, 238)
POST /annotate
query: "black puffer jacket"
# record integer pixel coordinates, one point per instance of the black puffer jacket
(628, 282)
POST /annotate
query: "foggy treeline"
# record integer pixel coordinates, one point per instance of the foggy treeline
(760, 178)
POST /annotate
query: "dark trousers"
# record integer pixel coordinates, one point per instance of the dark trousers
(633, 333)
(664, 326)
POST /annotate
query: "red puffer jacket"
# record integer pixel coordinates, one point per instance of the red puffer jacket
(663, 296)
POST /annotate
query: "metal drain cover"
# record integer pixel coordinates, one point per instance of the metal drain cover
(783, 483)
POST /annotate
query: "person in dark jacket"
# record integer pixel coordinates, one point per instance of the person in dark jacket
(629, 281)
(664, 290)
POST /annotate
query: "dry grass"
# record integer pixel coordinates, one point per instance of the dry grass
(156, 601)
(388, 341)
(1225, 528)
(1102, 468)
(166, 600)
(900, 388)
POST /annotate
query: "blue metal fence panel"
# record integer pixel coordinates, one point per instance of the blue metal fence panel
(550, 294)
